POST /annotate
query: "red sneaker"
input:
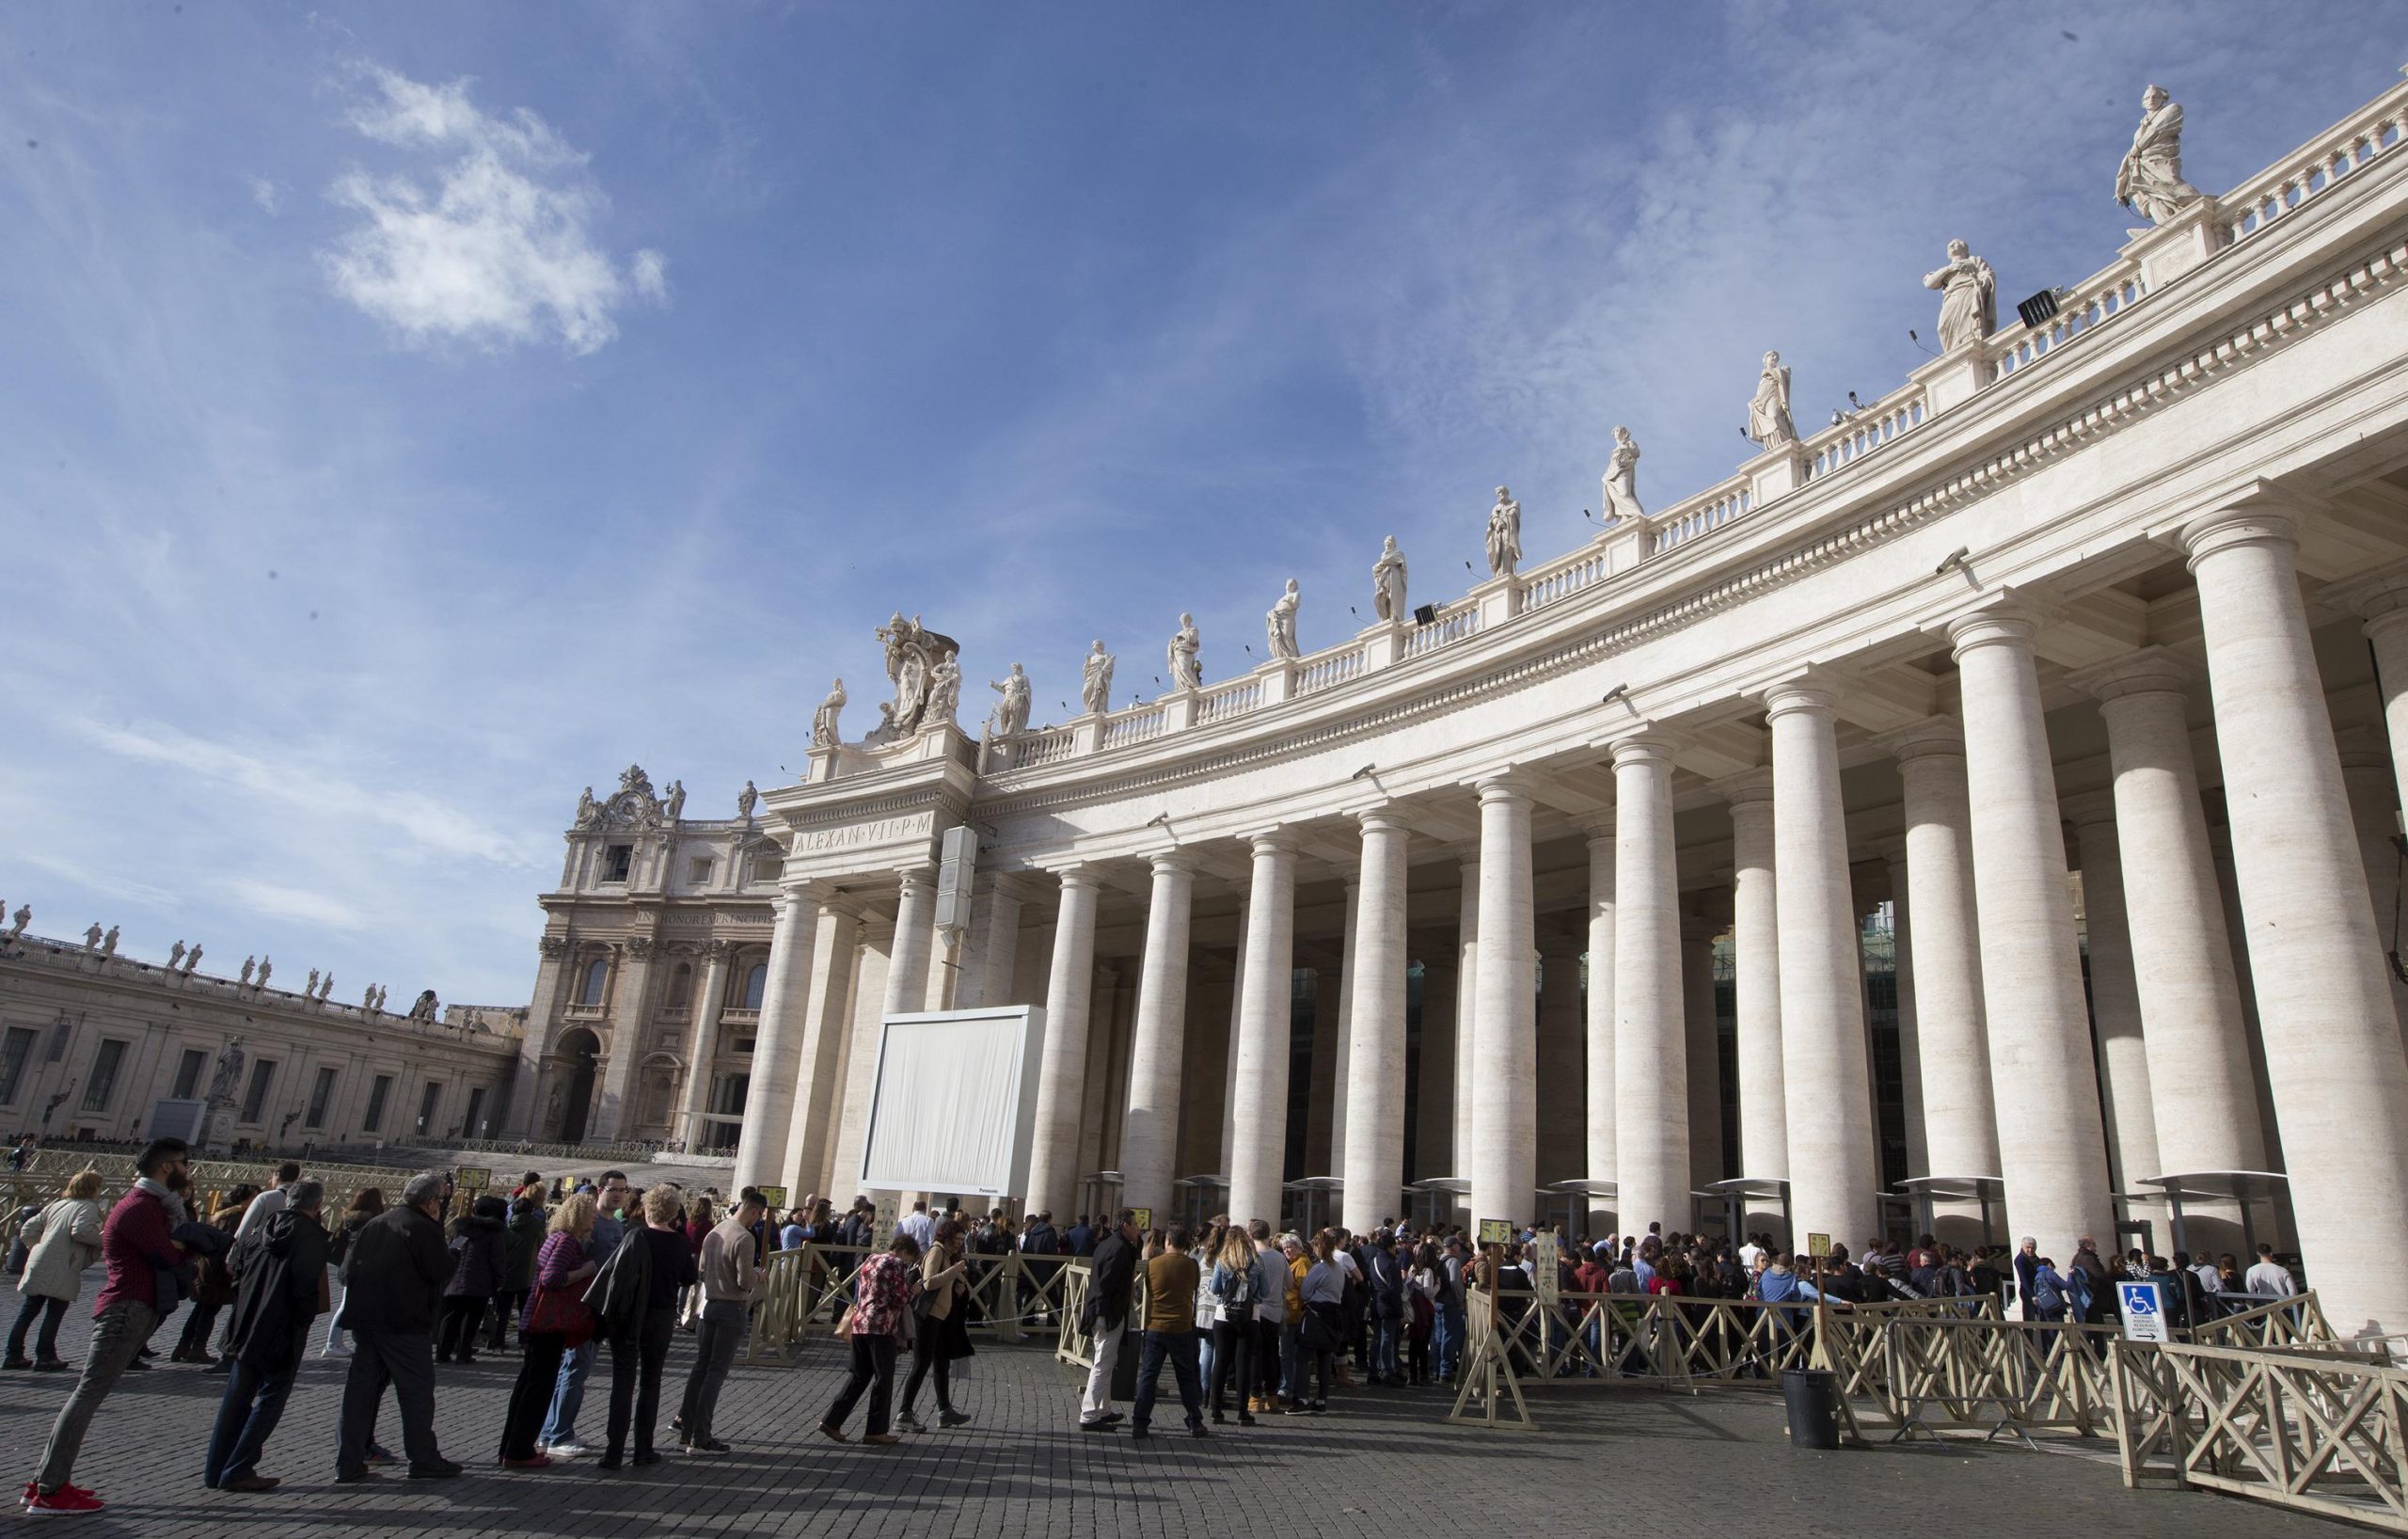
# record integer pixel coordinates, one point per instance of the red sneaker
(64, 1502)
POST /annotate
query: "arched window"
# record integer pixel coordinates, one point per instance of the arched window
(757, 981)
(597, 979)
(681, 986)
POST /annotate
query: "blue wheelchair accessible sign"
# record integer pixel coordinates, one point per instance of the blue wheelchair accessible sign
(2144, 1311)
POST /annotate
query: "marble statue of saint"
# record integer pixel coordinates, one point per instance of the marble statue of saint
(1388, 582)
(192, 957)
(588, 812)
(913, 653)
(325, 986)
(175, 955)
(1621, 478)
(676, 800)
(1768, 420)
(1010, 715)
(228, 1074)
(92, 937)
(425, 1007)
(310, 990)
(1279, 622)
(108, 943)
(1094, 681)
(19, 920)
(1969, 297)
(1186, 655)
(267, 965)
(945, 692)
(1504, 534)
(749, 798)
(2149, 181)
(250, 966)
(823, 724)
(368, 1000)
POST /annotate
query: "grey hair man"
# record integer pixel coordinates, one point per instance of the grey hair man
(281, 1269)
(397, 1270)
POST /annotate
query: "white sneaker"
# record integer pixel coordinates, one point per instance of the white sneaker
(567, 1451)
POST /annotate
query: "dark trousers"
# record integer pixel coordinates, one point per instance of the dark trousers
(1266, 1359)
(506, 1308)
(928, 1351)
(194, 1337)
(1179, 1346)
(636, 1362)
(247, 1418)
(539, 1369)
(1232, 1361)
(873, 1371)
(52, 1310)
(717, 1337)
(1322, 1363)
(456, 1335)
(406, 1360)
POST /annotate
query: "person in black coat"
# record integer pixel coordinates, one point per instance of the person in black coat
(1112, 1278)
(480, 1260)
(397, 1271)
(281, 1279)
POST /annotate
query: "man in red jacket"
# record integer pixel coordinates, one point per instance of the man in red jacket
(134, 1244)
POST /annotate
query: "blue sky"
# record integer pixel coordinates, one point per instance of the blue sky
(416, 414)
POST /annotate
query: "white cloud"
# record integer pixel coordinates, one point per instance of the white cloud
(267, 193)
(276, 901)
(490, 241)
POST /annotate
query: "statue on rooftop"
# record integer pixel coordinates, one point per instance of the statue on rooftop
(1095, 680)
(1010, 715)
(945, 692)
(250, 966)
(1768, 420)
(92, 937)
(749, 798)
(192, 957)
(913, 653)
(227, 1075)
(823, 721)
(1969, 297)
(1186, 655)
(588, 810)
(108, 943)
(676, 800)
(1279, 622)
(2149, 181)
(19, 920)
(1388, 582)
(1504, 534)
(175, 955)
(1621, 478)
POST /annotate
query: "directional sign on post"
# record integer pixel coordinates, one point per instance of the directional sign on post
(1144, 1218)
(1818, 1245)
(2144, 1311)
(1497, 1231)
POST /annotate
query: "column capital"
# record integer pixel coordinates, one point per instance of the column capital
(2088, 809)
(1271, 842)
(1652, 748)
(1812, 689)
(2153, 669)
(1384, 819)
(1892, 851)
(1598, 826)
(2010, 621)
(2362, 747)
(1172, 862)
(1078, 875)
(2260, 513)
(804, 895)
(1504, 786)
(1934, 736)
(1746, 787)
(917, 876)
(2379, 599)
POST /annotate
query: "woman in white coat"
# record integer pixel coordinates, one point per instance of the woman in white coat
(60, 1241)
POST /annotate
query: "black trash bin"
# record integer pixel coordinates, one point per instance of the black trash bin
(1812, 1395)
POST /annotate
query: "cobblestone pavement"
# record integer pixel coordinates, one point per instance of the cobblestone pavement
(1381, 1463)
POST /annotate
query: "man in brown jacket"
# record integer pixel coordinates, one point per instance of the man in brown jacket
(1170, 1332)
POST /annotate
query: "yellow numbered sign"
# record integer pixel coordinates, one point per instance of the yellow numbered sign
(1818, 1246)
(1144, 1218)
(1497, 1231)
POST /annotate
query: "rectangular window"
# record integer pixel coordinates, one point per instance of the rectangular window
(468, 1128)
(617, 861)
(376, 1094)
(188, 1069)
(698, 871)
(765, 866)
(319, 1094)
(255, 1099)
(103, 1084)
(15, 1049)
(427, 1102)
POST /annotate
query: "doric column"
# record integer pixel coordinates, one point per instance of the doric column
(2114, 997)
(1149, 1137)
(1467, 1006)
(915, 934)
(820, 1081)
(2042, 1072)
(1961, 1126)
(526, 1083)
(2384, 605)
(704, 1050)
(1599, 1004)
(2374, 811)
(1349, 978)
(1433, 1153)
(1259, 1153)
(1902, 990)
(777, 1042)
(2340, 1079)
(996, 956)
(1563, 1133)
(1650, 1050)
(1504, 1148)
(1235, 1035)
(1826, 1074)
(2190, 998)
(1061, 1080)
(1756, 956)
(1704, 1050)
(1375, 1088)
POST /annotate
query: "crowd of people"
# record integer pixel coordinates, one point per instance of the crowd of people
(1248, 1320)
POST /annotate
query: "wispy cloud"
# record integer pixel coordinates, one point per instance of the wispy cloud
(267, 193)
(489, 240)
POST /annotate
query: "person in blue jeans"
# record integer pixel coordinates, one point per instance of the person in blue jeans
(1450, 1325)
(1171, 1280)
(558, 1437)
(278, 1270)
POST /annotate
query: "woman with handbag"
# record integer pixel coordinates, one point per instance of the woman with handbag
(1237, 1284)
(878, 1318)
(558, 1321)
(941, 1330)
(63, 1239)
(1324, 1329)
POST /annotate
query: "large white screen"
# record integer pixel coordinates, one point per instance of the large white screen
(954, 1103)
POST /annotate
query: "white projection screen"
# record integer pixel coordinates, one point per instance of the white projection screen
(954, 1106)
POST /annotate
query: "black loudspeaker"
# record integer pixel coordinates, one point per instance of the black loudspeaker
(2039, 309)
(1426, 615)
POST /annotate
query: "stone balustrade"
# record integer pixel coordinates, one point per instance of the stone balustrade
(2375, 130)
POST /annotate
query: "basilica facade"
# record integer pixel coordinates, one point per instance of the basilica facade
(2081, 658)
